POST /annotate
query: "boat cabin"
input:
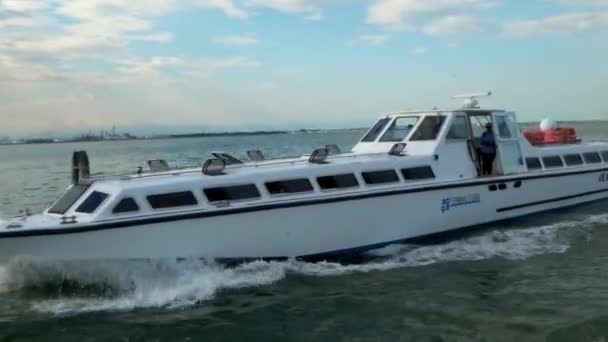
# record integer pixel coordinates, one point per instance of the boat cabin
(401, 150)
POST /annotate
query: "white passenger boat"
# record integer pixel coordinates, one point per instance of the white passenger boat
(413, 174)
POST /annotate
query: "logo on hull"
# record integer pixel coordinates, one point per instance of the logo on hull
(450, 203)
(603, 177)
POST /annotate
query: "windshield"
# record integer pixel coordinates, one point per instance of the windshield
(400, 129)
(429, 128)
(70, 197)
(375, 131)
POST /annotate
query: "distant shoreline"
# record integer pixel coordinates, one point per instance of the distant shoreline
(48, 141)
(127, 137)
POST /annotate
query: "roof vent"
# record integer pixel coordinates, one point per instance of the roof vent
(319, 156)
(158, 165)
(397, 149)
(214, 167)
(227, 158)
(255, 155)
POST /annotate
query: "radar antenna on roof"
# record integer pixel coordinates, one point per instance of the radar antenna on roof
(470, 100)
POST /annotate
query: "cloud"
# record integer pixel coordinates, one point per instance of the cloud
(452, 25)
(153, 69)
(229, 7)
(315, 17)
(13, 69)
(419, 50)
(557, 25)
(22, 5)
(406, 14)
(592, 3)
(237, 40)
(371, 39)
(160, 37)
(307, 7)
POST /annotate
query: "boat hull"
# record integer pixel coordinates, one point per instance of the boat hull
(314, 228)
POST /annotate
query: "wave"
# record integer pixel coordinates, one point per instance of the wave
(76, 287)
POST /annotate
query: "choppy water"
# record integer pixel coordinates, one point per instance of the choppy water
(539, 278)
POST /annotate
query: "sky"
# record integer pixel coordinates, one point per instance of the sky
(191, 65)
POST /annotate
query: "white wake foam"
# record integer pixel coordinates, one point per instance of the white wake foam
(163, 283)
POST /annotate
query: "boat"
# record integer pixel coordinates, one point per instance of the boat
(414, 174)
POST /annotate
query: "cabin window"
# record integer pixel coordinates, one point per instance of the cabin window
(478, 121)
(126, 205)
(553, 162)
(232, 193)
(89, 205)
(400, 129)
(70, 197)
(605, 156)
(533, 163)
(592, 158)
(380, 177)
(338, 181)
(171, 200)
(418, 173)
(376, 130)
(505, 126)
(573, 159)
(429, 128)
(459, 128)
(290, 186)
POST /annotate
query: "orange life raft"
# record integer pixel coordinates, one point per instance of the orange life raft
(565, 135)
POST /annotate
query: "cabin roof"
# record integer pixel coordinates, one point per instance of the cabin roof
(443, 111)
(276, 169)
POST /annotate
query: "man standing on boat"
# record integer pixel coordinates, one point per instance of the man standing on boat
(488, 150)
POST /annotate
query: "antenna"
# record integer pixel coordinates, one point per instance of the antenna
(471, 99)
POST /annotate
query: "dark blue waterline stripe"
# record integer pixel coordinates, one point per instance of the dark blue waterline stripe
(202, 214)
(552, 200)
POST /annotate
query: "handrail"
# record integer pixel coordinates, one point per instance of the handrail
(247, 164)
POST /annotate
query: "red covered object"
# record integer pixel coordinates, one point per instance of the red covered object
(566, 135)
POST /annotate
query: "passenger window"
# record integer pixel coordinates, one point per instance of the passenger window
(459, 128)
(429, 128)
(338, 181)
(592, 158)
(380, 177)
(553, 162)
(290, 186)
(63, 204)
(573, 159)
(400, 129)
(605, 156)
(126, 205)
(92, 202)
(175, 199)
(533, 163)
(376, 130)
(418, 173)
(232, 193)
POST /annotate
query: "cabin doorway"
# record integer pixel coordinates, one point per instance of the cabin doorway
(477, 122)
(506, 134)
